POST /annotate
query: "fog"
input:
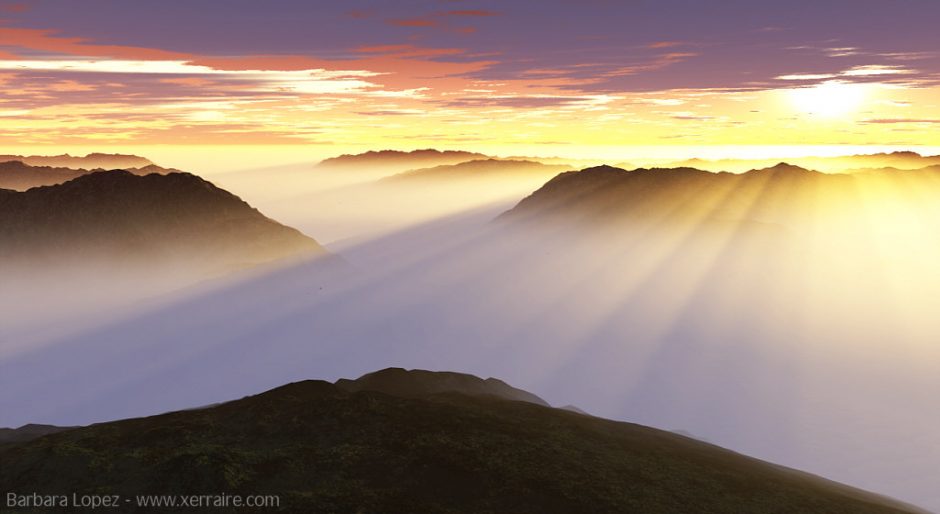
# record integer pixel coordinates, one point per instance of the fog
(812, 350)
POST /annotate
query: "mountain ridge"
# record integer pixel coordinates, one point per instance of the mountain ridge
(19, 176)
(90, 161)
(397, 158)
(477, 169)
(318, 446)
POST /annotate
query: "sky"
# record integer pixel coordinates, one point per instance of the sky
(540, 77)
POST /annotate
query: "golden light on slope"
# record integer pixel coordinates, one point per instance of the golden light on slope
(830, 99)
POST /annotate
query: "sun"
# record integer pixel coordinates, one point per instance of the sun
(828, 100)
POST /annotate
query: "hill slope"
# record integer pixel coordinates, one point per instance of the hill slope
(323, 448)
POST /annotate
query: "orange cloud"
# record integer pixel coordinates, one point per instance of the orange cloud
(477, 12)
(47, 41)
(408, 50)
(15, 7)
(413, 22)
(664, 44)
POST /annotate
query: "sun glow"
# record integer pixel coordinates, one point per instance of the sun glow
(830, 99)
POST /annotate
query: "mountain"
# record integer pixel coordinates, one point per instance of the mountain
(395, 161)
(783, 194)
(609, 193)
(320, 447)
(88, 162)
(20, 176)
(126, 218)
(481, 169)
(28, 432)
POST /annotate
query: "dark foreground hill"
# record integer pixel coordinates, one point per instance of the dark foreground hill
(324, 447)
(125, 218)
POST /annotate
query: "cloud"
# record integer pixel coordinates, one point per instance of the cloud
(664, 44)
(876, 70)
(47, 41)
(319, 81)
(440, 20)
(878, 121)
(471, 12)
(408, 50)
(15, 7)
(413, 22)
(533, 102)
(807, 76)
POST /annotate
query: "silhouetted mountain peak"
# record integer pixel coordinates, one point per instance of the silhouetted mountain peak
(784, 167)
(416, 383)
(603, 168)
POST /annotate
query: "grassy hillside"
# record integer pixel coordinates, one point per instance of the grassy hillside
(325, 449)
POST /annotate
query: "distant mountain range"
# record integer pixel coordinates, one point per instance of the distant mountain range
(900, 160)
(480, 169)
(417, 441)
(395, 161)
(20, 176)
(89, 162)
(126, 218)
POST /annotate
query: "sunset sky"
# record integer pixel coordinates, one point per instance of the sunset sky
(557, 77)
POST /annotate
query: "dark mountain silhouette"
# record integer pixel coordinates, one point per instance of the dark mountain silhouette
(119, 216)
(480, 169)
(323, 448)
(20, 176)
(417, 383)
(395, 161)
(28, 432)
(88, 162)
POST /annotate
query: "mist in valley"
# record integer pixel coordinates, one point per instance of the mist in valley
(809, 343)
